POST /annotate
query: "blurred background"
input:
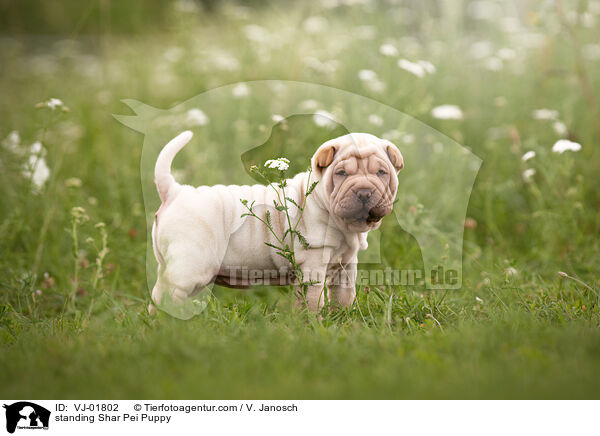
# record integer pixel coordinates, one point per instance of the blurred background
(516, 82)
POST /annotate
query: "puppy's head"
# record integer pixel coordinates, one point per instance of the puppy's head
(358, 179)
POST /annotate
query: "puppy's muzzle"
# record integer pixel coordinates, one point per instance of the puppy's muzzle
(364, 195)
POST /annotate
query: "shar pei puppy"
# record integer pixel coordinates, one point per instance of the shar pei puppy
(200, 235)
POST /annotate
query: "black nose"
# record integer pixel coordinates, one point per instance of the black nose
(364, 194)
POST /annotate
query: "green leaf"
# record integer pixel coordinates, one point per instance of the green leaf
(312, 188)
(378, 293)
(273, 246)
(291, 200)
(302, 240)
(268, 216)
(388, 316)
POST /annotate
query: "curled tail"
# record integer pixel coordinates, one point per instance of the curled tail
(162, 171)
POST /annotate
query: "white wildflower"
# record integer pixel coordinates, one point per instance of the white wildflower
(563, 145)
(41, 172)
(479, 300)
(419, 68)
(376, 120)
(277, 118)
(281, 164)
(528, 155)
(367, 75)
(371, 81)
(37, 170)
(324, 119)
(240, 90)
(427, 66)
(559, 127)
(528, 174)
(545, 114)
(327, 67)
(12, 141)
(388, 50)
(447, 112)
(315, 24)
(37, 149)
(196, 117)
(412, 67)
(53, 104)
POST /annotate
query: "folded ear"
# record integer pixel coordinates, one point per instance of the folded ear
(324, 156)
(395, 156)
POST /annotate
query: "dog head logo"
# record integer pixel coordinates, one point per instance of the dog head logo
(294, 119)
(26, 415)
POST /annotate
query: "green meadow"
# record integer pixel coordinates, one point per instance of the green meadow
(516, 83)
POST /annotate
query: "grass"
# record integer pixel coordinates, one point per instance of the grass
(516, 329)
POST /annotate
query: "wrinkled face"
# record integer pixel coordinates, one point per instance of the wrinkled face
(359, 176)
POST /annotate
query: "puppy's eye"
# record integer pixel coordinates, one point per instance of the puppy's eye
(341, 173)
(381, 173)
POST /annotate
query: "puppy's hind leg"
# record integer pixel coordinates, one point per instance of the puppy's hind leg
(188, 269)
(158, 292)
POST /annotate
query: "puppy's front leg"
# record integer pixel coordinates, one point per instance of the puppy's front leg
(313, 271)
(343, 286)
(315, 297)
